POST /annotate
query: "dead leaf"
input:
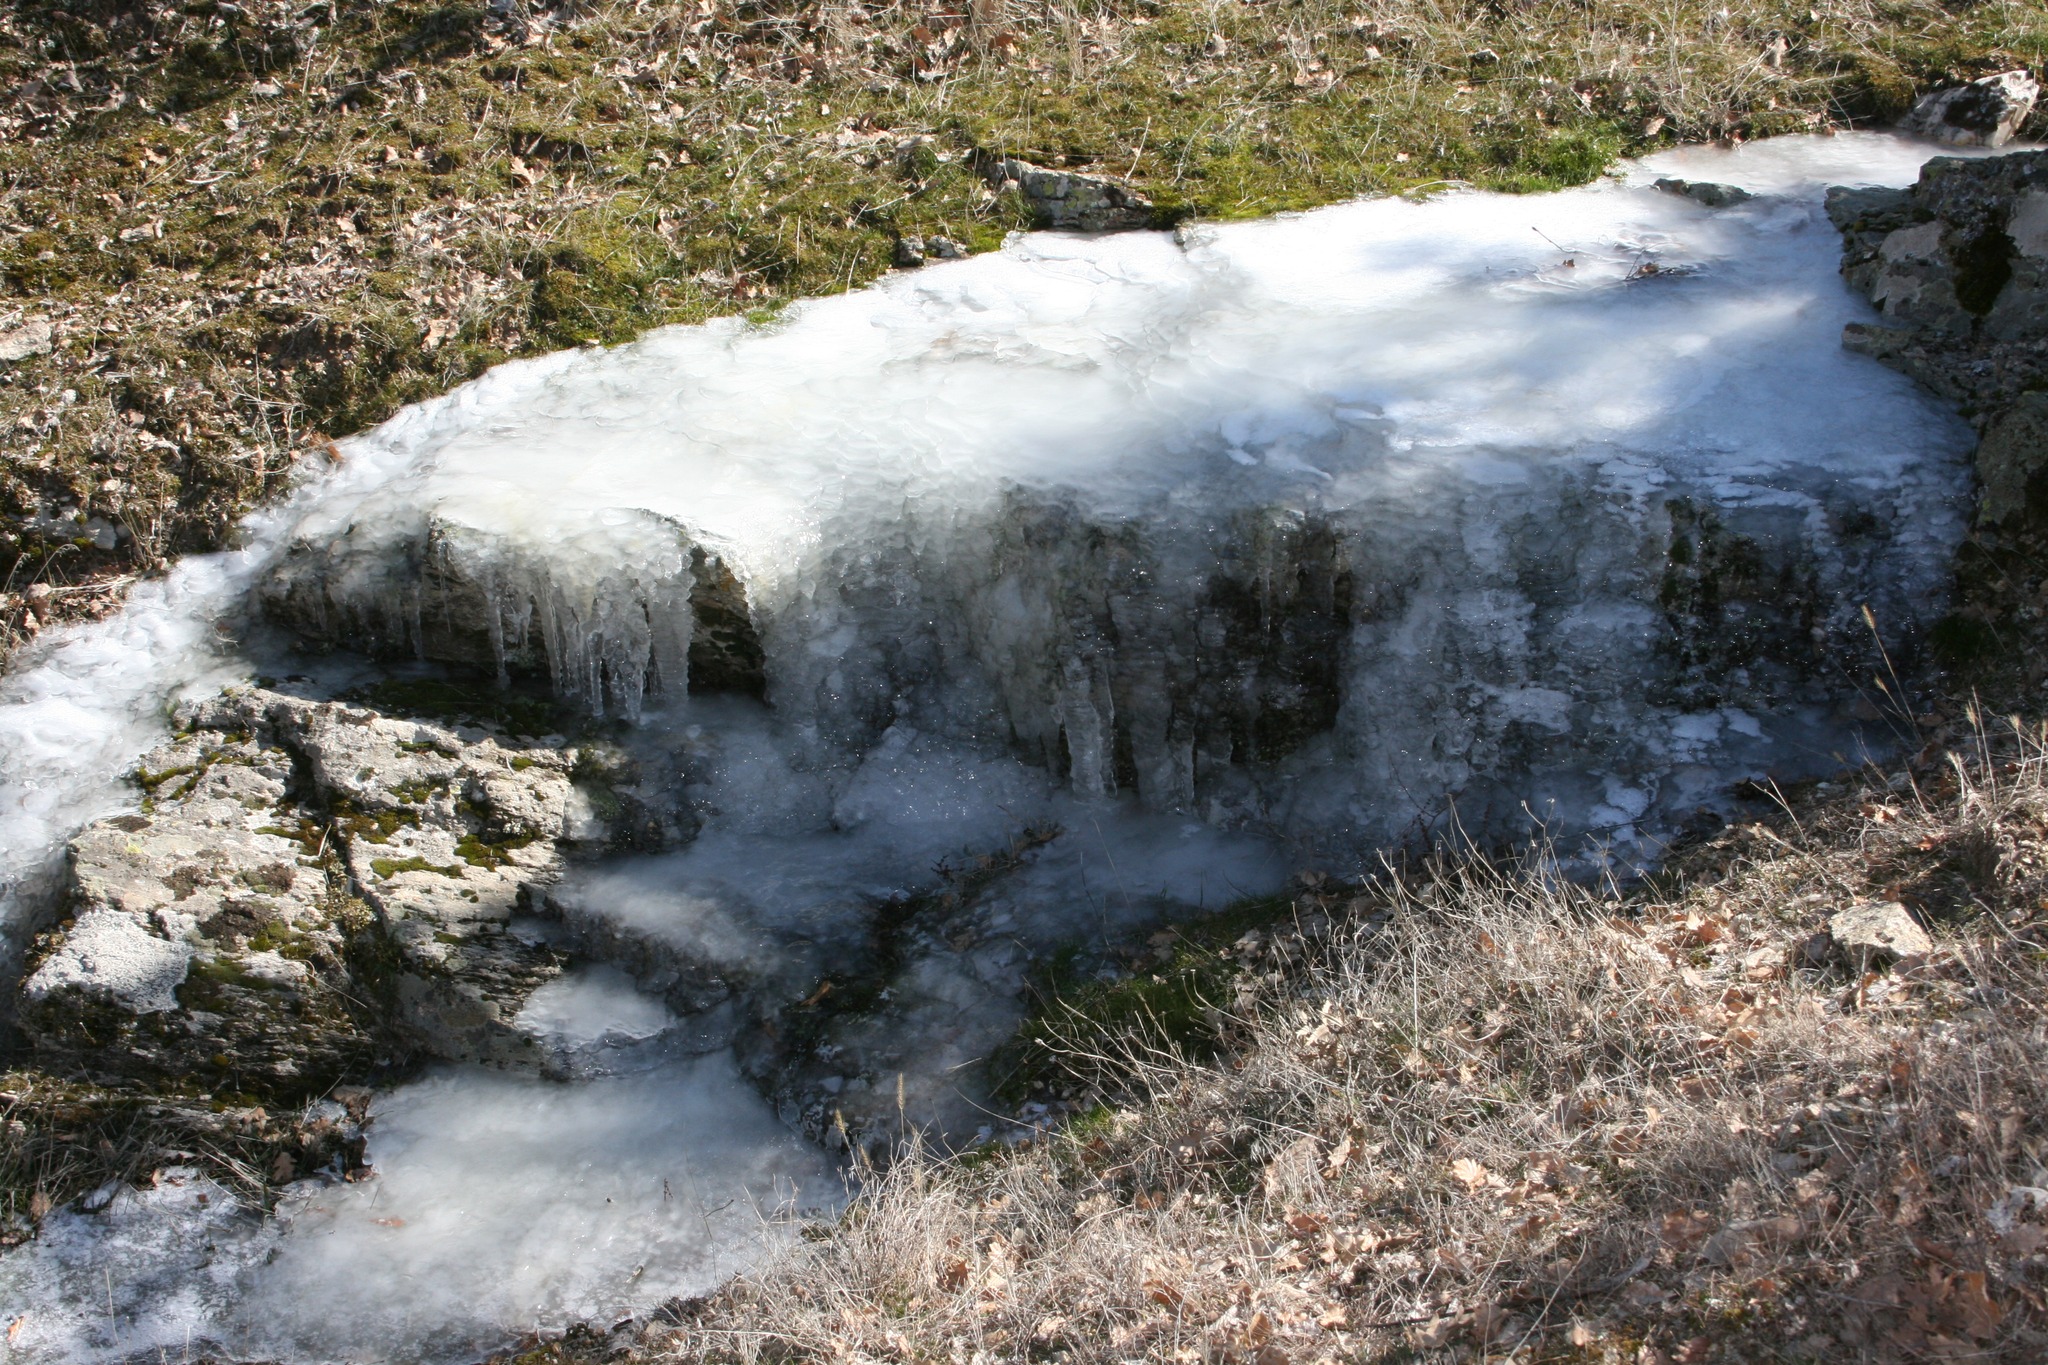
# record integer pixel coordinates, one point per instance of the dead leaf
(1469, 1173)
(1974, 1310)
(1305, 1224)
(1340, 1155)
(389, 1222)
(953, 1277)
(1432, 1335)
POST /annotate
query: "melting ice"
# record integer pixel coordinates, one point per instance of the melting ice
(1266, 544)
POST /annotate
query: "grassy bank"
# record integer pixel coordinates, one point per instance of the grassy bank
(251, 227)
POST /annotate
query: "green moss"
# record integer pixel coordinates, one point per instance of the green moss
(391, 867)
(1177, 1004)
(490, 855)
(374, 827)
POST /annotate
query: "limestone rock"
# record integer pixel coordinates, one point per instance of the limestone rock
(2011, 462)
(1876, 933)
(309, 882)
(1958, 266)
(207, 942)
(30, 338)
(1985, 113)
(1069, 201)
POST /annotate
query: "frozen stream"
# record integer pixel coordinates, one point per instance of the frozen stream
(1220, 555)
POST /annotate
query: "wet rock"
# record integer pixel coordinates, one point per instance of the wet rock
(309, 882)
(1878, 933)
(1705, 192)
(1068, 201)
(1985, 113)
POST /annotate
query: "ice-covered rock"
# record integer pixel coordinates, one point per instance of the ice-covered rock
(1325, 526)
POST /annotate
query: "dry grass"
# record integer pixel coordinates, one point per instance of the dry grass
(1503, 1114)
(62, 1139)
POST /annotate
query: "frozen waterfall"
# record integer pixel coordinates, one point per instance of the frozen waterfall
(1220, 554)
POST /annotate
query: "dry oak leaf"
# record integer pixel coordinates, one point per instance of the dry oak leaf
(1469, 1173)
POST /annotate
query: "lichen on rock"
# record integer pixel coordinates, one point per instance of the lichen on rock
(309, 885)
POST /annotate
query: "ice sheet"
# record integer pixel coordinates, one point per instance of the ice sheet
(500, 1206)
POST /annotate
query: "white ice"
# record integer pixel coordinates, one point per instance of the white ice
(500, 1206)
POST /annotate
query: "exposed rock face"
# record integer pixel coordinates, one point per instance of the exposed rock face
(1068, 201)
(1985, 113)
(310, 884)
(208, 941)
(1958, 266)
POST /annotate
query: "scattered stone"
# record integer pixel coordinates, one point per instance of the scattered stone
(31, 338)
(1069, 201)
(1877, 933)
(1985, 113)
(1705, 192)
(909, 253)
(944, 249)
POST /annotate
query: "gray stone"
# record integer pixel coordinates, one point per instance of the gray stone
(1876, 933)
(309, 884)
(30, 338)
(206, 942)
(1705, 192)
(1958, 266)
(1070, 201)
(2012, 459)
(908, 254)
(1985, 113)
